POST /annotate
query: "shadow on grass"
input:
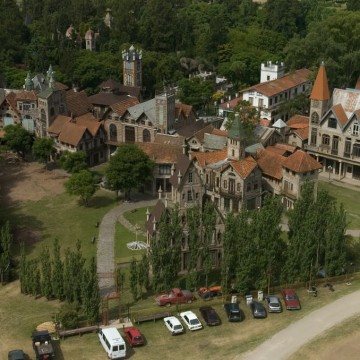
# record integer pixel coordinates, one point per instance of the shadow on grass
(101, 201)
(58, 352)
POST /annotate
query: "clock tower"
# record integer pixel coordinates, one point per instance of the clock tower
(132, 67)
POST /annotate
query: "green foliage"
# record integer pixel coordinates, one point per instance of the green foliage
(134, 279)
(18, 139)
(81, 184)
(73, 162)
(129, 168)
(6, 240)
(43, 149)
(68, 316)
(46, 273)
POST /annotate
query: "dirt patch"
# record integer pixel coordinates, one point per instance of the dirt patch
(22, 181)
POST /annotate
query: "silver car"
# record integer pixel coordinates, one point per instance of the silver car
(273, 304)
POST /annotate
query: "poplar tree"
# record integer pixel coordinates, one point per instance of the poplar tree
(46, 273)
(6, 240)
(58, 272)
(134, 280)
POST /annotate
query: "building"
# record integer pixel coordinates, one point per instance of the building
(334, 129)
(275, 88)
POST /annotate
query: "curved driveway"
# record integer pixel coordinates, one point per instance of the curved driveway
(105, 243)
(289, 340)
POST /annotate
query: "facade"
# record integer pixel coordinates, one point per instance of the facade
(334, 129)
(267, 96)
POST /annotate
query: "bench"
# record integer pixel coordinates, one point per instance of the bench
(79, 331)
(153, 317)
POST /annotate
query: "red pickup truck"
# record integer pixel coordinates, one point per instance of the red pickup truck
(175, 296)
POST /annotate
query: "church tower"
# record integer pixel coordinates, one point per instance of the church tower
(320, 98)
(165, 111)
(132, 67)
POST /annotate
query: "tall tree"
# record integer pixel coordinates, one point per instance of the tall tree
(58, 271)
(129, 168)
(6, 240)
(134, 279)
(46, 273)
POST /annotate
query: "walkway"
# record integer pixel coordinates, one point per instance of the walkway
(105, 243)
(289, 340)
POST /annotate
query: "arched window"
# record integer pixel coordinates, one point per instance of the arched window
(52, 111)
(113, 132)
(314, 118)
(146, 136)
(326, 139)
(43, 116)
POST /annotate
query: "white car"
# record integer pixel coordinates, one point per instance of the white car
(174, 325)
(191, 320)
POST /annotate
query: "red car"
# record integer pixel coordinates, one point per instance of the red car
(291, 300)
(175, 296)
(133, 336)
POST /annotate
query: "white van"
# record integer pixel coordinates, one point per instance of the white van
(113, 343)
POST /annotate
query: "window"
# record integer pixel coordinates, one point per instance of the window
(164, 169)
(268, 77)
(189, 196)
(332, 123)
(326, 140)
(347, 149)
(270, 102)
(190, 177)
(355, 128)
(288, 186)
(275, 101)
(335, 144)
(356, 149)
(248, 187)
(225, 184)
(261, 103)
(251, 100)
(226, 204)
(146, 136)
(313, 137)
(256, 185)
(113, 132)
(314, 118)
(238, 187)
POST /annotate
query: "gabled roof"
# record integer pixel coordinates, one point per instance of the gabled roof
(147, 107)
(270, 163)
(214, 142)
(302, 133)
(11, 99)
(320, 90)
(26, 95)
(231, 103)
(181, 167)
(188, 130)
(286, 82)
(161, 153)
(77, 103)
(106, 99)
(58, 124)
(339, 112)
(199, 135)
(209, 157)
(90, 122)
(244, 167)
(219, 132)
(175, 140)
(279, 124)
(72, 133)
(301, 162)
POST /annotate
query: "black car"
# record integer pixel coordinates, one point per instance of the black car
(258, 310)
(233, 312)
(16, 355)
(210, 315)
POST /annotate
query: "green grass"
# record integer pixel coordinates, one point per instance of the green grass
(137, 217)
(349, 198)
(64, 218)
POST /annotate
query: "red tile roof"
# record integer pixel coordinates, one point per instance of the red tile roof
(270, 163)
(320, 90)
(58, 123)
(302, 133)
(11, 99)
(185, 109)
(90, 122)
(219, 132)
(200, 134)
(121, 106)
(244, 167)
(296, 120)
(72, 133)
(161, 153)
(340, 114)
(169, 139)
(26, 95)
(209, 157)
(286, 82)
(301, 162)
(286, 147)
(77, 103)
(232, 103)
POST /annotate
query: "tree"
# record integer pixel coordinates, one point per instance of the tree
(73, 162)
(18, 139)
(134, 280)
(46, 273)
(143, 272)
(128, 169)
(58, 272)
(6, 240)
(353, 5)
(43, 149)
(81, 184)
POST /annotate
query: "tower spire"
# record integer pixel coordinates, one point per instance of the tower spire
(320, 90)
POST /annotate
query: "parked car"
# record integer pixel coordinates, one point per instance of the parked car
(233, 312)
(191, 320)
(291, 300)
(273, 304)
(258, 310)
(174, 325)
(210, 315)
(16, 355)
(133, 336)
(210, 292)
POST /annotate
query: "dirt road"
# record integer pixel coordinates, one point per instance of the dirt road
(289, 340)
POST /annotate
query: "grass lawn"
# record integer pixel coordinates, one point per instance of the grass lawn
(350, 200)
(62, 217)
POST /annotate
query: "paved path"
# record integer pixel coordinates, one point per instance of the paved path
(289, 340)
(105, 243)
